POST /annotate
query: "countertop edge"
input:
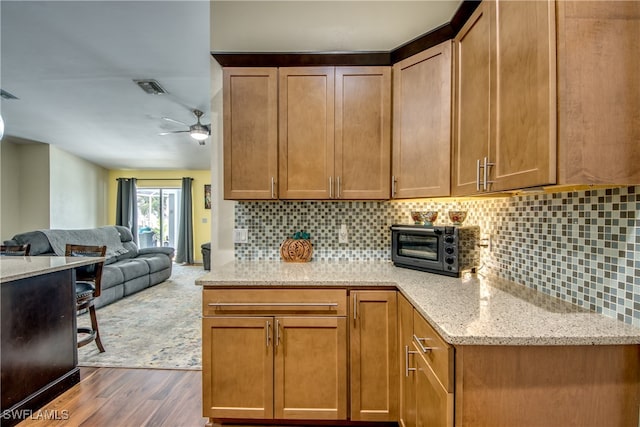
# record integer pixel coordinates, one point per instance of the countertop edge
(75, 262)
(456, 340)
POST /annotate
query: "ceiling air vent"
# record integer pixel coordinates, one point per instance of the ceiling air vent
(150, 86)
(6, 95)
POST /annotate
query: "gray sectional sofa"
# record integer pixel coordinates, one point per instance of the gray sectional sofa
(127, 269)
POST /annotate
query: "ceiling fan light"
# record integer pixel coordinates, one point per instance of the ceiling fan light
(199, 134)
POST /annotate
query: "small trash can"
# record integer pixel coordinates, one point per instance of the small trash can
(206, 255)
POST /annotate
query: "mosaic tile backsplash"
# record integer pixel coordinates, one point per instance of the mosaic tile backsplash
(582, 247)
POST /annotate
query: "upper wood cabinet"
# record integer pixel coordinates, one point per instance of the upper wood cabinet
(515, 127)
(422, 124)
(250, 98)
(599, 92)
(505, 98)
(335, 132)
(306, 121)
(363, 132)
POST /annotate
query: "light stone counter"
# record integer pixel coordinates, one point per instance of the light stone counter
(16, 267)
(472, 310)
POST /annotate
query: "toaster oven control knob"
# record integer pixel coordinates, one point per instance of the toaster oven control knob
(449, 250)
(449, 260)
(449, 239)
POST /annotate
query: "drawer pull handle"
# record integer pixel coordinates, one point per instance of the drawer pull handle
(273, 188)
(407, 352)
(273, 304)
(419, 342)
(268, 332)
(277, 333)
(355, 306)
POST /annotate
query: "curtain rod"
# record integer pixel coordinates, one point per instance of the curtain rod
(155, 179)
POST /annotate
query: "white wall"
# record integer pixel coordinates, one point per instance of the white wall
(223, 211)
(78, 191)
(45, 187)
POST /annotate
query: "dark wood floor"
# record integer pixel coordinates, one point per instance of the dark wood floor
(117, 397)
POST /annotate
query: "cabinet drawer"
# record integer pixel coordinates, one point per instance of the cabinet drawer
(317, 302)
(437, 353)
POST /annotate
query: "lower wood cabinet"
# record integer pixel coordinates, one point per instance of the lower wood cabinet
(237, 367)
(288, 365)
(434, 405)
(373, 355)
(318, 354)
(407, 414)
(310, 368)
(427, 372)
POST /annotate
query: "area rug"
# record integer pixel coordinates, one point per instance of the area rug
(159, 327)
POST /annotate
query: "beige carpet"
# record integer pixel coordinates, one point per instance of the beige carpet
(159, 327)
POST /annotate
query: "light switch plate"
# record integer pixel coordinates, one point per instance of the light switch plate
(240, 235)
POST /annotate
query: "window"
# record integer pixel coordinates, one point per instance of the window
(158, 216)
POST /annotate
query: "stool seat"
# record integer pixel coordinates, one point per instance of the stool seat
(84, 290)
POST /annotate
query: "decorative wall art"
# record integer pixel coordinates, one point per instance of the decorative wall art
(207, 196)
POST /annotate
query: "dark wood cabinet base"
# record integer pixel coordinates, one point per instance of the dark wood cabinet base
(38, 340)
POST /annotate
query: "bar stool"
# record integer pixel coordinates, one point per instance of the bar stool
(87, 289)
(15, 250)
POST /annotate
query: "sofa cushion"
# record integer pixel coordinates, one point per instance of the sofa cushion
(39, 242)
(132, 251)
(157, 262)
(111, 276)
(125, 233)
(132, 268)
(168, 251)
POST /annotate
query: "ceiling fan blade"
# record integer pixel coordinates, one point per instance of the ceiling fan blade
(175, 131)
(174, 121)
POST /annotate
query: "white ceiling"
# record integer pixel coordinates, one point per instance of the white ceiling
(72, 63)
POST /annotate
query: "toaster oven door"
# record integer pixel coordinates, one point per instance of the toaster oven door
(418, 248)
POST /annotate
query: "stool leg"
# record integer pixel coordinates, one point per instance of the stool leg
(94, 326)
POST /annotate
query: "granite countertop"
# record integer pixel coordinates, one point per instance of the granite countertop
(472, 310)
(16, 267)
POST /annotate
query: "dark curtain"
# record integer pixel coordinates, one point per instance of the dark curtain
(127, 206)
(184, 252)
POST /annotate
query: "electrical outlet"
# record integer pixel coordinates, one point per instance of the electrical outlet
(343, 234)
(240, 235)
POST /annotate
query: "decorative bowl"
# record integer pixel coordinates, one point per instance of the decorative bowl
(457, 217)
(296, 250)
(424, 217)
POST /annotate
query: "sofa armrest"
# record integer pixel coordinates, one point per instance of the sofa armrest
(157, 250)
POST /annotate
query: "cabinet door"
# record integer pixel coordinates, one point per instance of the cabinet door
(472, 101)
(363, 132)
(250, 98)
(407, 364)
(374, 356)
(434, 404)
(523, 140)
(422, 124)
(311, 368)
(306, 121)
(599, 92)
(237, 367)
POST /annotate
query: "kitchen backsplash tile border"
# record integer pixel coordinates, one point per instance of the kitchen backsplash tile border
(581, 246)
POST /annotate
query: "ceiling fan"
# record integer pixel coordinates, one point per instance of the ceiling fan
(198, 131)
